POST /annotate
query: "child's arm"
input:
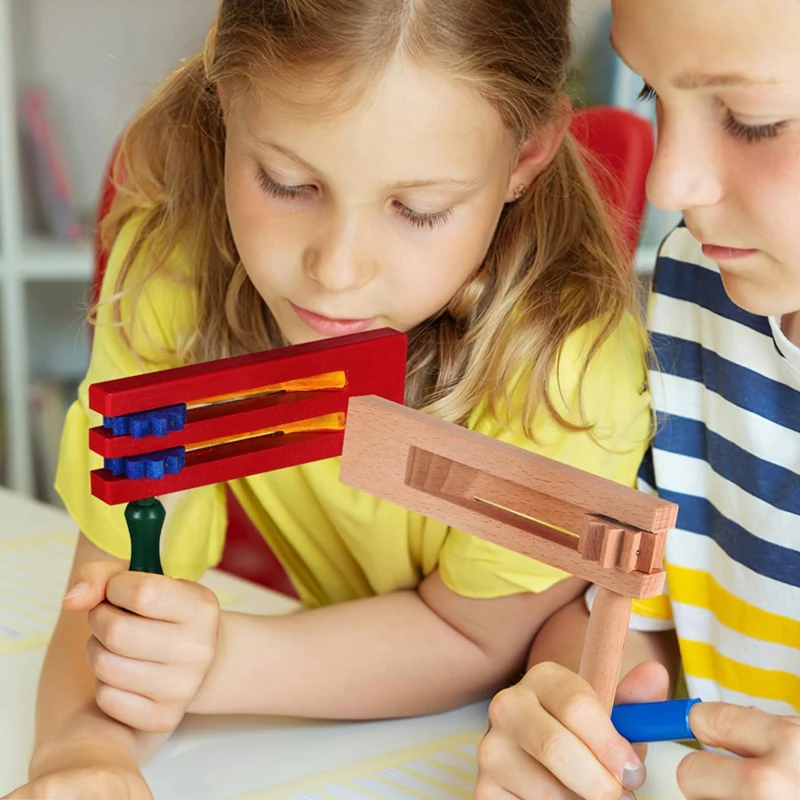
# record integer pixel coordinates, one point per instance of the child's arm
(407, 653)
(550, 730)
(70, 728)
(411, 652)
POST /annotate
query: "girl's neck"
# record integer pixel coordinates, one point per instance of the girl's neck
(790, 325)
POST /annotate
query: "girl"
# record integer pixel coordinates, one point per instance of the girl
(325, 168)
(725, 314)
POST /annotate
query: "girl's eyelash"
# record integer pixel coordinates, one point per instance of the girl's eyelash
(423, 220)
(280, 190)
(731, 125)
(284, 192)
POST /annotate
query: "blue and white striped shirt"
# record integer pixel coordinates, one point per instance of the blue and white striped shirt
(727, 451)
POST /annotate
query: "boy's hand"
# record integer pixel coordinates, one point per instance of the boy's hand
(770, 746)
(551, 737)
(154, 640)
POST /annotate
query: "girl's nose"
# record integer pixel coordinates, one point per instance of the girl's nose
(340, 260)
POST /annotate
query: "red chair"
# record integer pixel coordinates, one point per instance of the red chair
(622, 144)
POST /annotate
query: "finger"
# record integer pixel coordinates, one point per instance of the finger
(89, 587)
(608, 756)
(162, 598)
(137, 712)
(161, 683)
(745, 731)
(714, 776)
(507, 771)
(645, 683)
(139, 638)
(522, 716)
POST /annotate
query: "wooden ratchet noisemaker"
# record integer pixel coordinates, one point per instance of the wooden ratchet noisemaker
(181, 428)
(591, 527)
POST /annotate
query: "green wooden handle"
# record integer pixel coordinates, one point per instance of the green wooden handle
(145, 519)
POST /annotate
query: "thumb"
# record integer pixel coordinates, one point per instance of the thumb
(88, 588)
(645, 683)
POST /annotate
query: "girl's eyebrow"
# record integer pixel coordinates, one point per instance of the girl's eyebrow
(457, 183)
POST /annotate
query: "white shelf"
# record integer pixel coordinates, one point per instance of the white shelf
(46, 259)
(116, 52)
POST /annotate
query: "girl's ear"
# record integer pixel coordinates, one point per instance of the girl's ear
(535, 154)
(224, 99)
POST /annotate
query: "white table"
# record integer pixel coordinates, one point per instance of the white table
(224, 757)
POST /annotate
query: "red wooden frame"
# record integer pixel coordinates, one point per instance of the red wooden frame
(373, 363)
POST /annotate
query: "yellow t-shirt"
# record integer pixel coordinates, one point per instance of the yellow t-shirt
(337, 543)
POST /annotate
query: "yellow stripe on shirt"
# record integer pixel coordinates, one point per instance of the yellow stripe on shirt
(701, 660)
(695, 588)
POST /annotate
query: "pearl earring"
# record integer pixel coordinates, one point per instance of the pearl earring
(520, 190)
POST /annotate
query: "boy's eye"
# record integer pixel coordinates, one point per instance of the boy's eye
(419, 220)
(281, 190)
(731, 125)
(751, 133)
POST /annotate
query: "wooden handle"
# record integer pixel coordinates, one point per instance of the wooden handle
(145, 520)
(605, 642)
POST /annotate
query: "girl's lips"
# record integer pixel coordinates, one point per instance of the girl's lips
(717, 253)
(331, 327)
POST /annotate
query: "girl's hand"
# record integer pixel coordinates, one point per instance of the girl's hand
(154, 640)
(551, 737)
(89, 783)
(770, 746)
(83, 769)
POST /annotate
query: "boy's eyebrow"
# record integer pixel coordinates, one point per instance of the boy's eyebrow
(459, 183)
(699, 80)
(691, 80)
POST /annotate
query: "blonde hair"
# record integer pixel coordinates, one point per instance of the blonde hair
(553, 266)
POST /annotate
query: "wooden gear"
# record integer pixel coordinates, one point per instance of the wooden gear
(591, 527)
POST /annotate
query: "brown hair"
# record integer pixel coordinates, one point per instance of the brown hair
(554, 264)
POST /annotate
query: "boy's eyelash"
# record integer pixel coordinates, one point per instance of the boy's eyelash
(731, 125)
(423, 220)
(647, 93)
(751, 133)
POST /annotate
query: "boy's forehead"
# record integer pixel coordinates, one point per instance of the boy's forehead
(696, 41)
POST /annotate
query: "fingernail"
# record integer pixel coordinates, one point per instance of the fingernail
(77, 590)
(632, 775)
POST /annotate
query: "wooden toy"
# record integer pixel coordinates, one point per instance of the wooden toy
(591, 527)
(191, 426)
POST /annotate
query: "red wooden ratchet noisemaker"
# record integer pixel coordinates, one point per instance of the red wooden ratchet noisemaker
(589, 526)
(192, 426)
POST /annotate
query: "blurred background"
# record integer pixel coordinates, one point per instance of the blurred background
(72, 72)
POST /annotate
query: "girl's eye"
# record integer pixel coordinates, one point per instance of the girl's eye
(419, 220)
(281, 190)
(647, 93)
(751, 133)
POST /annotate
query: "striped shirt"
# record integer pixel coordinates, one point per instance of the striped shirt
(727, 451)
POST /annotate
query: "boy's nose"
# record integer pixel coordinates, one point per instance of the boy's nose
(685, 172)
